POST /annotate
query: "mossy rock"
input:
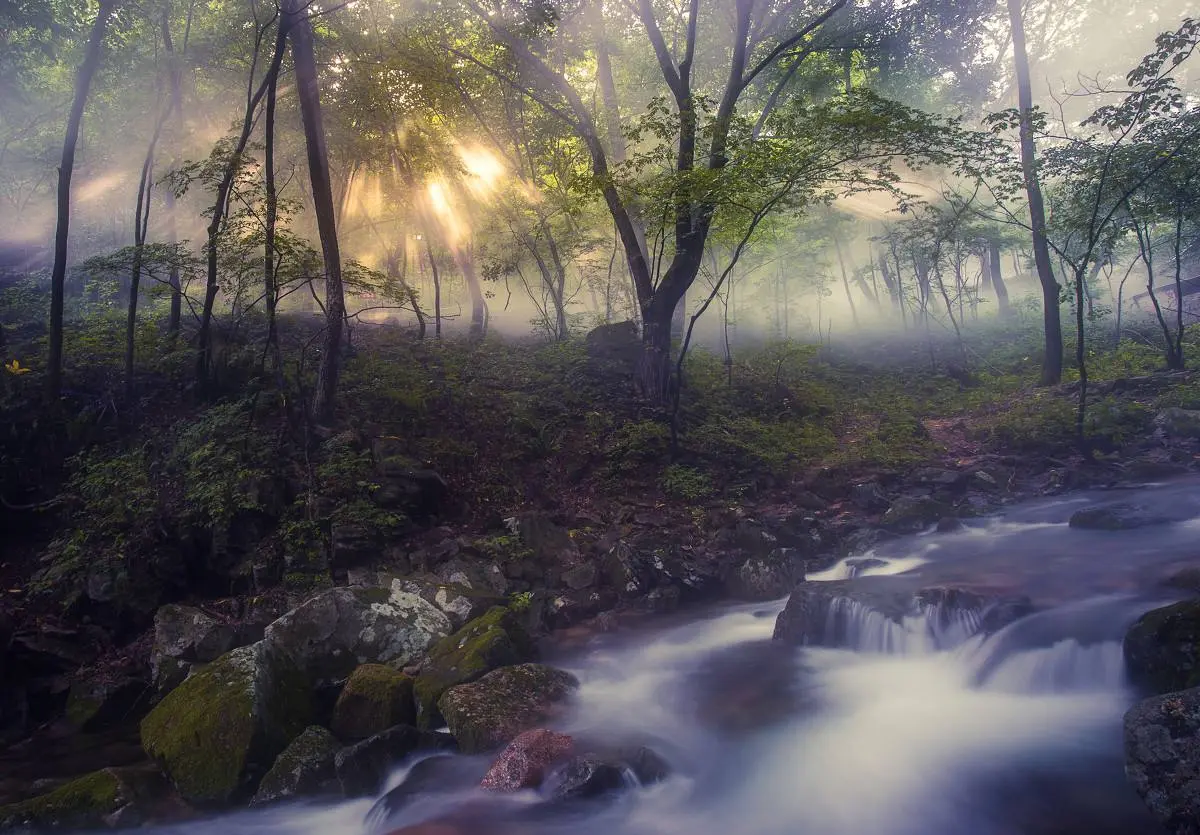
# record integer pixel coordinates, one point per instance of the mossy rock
(306, 767)
(375, 698)
(497, 639)
(217, 733)
(104, 798)
(910, 514)
(491, 712)
(97, 703)
(1162, 649)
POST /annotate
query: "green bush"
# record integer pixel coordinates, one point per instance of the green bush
(687, 483)
(633, 445)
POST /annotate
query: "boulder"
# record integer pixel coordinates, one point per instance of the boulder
(495, 640)
(523, 764)
(1179, 423)
(626, 571)
(103, 701)
(217, 733)
(104, 798)
(492, 711)
(1118, 516)
(581, 577)
(460, 603)
(336, 631)
(352, 544)
(362, 767)
(404, 484)
(479, 576)
(550, 543)
(858, 565)
(938, 478)
(647, 765)
(438, 773)
(571, 607)
(767, 578)
(185, 636)
(910, 514)
(375, 698)
(586, 777)
(1162, 757)
(1162, 649)
(869, 496)
(305, 768)
(1185, 579)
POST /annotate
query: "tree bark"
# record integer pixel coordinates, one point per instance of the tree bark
(141, 224)
(1052, 364)
(997, 275)
(437, 289)
(270, 277)
(58, 274)
(309, 94)
(175, 78)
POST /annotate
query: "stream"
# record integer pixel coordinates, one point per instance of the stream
(919, 727)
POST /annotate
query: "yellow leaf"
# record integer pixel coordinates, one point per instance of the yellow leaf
(14, 367)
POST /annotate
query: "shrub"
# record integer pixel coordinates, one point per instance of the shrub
(686, 483)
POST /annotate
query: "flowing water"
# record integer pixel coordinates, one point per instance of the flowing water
(924, 726)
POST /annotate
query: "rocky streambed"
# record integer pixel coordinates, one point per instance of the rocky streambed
(975, 678)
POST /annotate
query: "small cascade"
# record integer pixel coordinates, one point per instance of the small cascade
(927, 628)
(1066, 667)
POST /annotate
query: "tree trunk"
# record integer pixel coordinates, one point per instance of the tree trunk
(220, 204)
(437, 289)
(141, 223)
(270, 282)
(466, 263)
(58, 274)
(175, 78)
(1052, 365)
(997, 276)
(309, 94)
(652, 374)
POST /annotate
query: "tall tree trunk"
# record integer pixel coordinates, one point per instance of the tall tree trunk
(58, 274)
(308, 93)
(141, 223)
(465, 259)
(270, 261)
(221, 203)
(175, 79)
(437, 289)
(998, 283)
(846, 282)
(1052, 365)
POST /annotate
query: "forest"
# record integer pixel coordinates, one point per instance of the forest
(373, 349)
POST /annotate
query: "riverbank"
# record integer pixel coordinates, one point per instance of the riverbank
(515, 476)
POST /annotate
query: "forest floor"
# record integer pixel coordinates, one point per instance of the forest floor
(533, 457)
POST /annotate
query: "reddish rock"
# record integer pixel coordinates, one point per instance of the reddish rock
(524, 763)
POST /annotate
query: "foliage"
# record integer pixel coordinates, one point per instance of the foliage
(686, 483)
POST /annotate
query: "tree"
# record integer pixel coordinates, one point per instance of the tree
(58, 274)
(1052, 362)
(296, 21)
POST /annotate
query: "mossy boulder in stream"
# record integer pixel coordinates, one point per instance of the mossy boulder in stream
(217, 733)
(488, 713)
(1162, 649)
(306, 767)
(108, 797)
(374, 699)
(497, 639)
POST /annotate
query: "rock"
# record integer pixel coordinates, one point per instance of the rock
(403, 484)
(647, 765)
(572, 607)
(217, 733)
(949, 524)
(1179, 423)
(525, 761)
(869, 496)
(1162, 758)
(185, 635)
(1186, 579)
(351, 544)
(752, 537)
(858, 565)
(808, 500)
(767, 578)
(481, 577)
(375, 698)
(580, 577)
(937, 478)
(362, 767)
(1162, 649)
(492, 711)
(334, 632)
(305, 768)
(586, 777)
(615, 345)
(460, 603)
(626, 571)
(550, 543)
(108, 797)
(910, 514)
(438, 773)
(101, 702)
(495, 640)
(1118, 516)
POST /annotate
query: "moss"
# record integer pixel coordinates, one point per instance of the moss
(375, 698)
(486, 714)
(219, 730)
(493, 640)
(306, 766)
(81, 803)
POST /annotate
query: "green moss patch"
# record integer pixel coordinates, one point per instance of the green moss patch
(375, 698)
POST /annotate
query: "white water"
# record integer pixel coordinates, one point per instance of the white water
(921, 726)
